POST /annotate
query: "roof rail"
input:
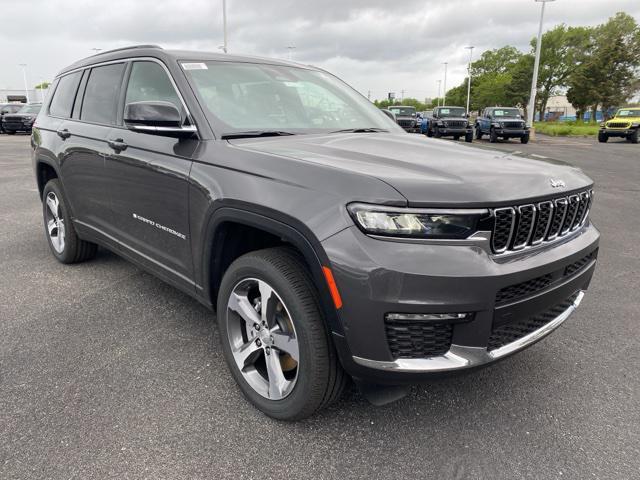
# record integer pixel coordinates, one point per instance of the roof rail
(130, 47)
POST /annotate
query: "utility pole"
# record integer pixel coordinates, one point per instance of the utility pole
(536, 65)
(402, 96)
(444, 94)
(469, 77)
(224, 25)
(96, 50)
(369, 95)
(24, 76)
(439, 88)
(291, 48)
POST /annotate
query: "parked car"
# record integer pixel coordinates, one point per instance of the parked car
(502, 122)
(22, 120)
(406, 117)
(450, 122)
(625, 123)
(8, 108)
(330, 243)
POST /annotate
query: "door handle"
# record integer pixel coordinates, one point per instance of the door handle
(64, 133)
(118, 145)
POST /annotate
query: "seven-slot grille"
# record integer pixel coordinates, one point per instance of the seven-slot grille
(456, 123)
(406, 123)
(524, 225)
(617, 125)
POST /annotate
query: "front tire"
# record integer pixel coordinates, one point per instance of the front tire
(603, 137)
(633, 138)
(524, 139)
(61, 235)
(493, 136)
(273, 335)
(429, 132)
(468, 137)
(437, 133)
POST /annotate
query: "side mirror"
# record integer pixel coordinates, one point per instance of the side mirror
(389, 114)
(156, 118)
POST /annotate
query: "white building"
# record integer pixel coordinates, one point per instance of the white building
(19, 95)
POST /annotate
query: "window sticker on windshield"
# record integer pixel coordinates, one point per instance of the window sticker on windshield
(498, 113)
(194, 66)
(445, 110)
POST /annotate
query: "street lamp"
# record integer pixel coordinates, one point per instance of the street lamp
(291, 48)
(444, 93)
(469, 75)
(96, 50)
(224, 24)
(439, 87)
(24, 76)
(536, 64)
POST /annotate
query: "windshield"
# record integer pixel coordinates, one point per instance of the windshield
(403, 111)
(30, 109)
(452, 112)
(242, 97)
(628, 113)
(507, 112)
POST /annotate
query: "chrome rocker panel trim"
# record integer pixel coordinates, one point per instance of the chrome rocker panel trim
(460, 357)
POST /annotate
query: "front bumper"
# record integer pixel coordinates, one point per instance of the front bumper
(508, 132)
(448, 131)
(618, 133)
(376, 277)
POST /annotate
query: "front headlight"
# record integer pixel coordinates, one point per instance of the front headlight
(417, 223)
(603, 124)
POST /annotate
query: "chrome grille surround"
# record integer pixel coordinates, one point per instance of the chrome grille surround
(522, 226)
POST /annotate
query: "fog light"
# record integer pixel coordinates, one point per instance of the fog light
(430, 317)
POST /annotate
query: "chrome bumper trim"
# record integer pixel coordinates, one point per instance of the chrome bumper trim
(460, 357)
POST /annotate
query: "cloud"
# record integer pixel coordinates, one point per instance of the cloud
(376, 45)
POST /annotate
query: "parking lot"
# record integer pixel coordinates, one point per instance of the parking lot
(107, 372)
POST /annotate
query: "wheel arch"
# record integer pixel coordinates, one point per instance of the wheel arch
(45, 171)
(289, 230)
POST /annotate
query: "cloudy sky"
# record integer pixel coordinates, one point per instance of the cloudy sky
(375, 45)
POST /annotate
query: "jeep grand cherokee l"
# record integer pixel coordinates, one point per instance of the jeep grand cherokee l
(22, 120)
(330, 243)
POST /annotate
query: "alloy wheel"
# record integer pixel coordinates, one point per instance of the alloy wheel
(262, 338)
(55, 223)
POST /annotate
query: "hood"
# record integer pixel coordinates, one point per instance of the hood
(430, 172)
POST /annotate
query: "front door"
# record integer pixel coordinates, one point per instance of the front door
(149, 175)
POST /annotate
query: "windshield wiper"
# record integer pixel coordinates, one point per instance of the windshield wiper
(255, 133)
(361, 130)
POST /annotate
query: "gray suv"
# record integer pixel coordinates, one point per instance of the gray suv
(331, 244)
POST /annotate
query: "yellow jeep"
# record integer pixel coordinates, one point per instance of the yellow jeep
(626, 123)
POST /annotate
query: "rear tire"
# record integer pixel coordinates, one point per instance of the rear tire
(493, 136)
(456, 137)
(304, 384)
(61, 235)
(603, 137)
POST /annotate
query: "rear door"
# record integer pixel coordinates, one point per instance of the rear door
(85, 148)
(149, 182)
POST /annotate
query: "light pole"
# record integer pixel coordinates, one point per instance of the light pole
(444, 93)
(439, 88)
(224, 24)
(469, 79)
(291, 48)
(96, 50)
(24, 76)
(536, 64)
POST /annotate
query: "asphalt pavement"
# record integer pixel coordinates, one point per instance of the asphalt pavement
(107, 372)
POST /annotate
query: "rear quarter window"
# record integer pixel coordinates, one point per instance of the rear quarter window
(62, 101)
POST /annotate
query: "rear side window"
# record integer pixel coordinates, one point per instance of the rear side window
(100, 102)
(62, 101)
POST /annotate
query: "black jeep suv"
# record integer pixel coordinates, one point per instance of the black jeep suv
(8, 108)
(501, 122)
(406, 117)
(450, 122)
(330, 243)
(22, 120)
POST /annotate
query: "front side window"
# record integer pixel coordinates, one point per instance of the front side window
(149, 82)
(246, 96)
(65, 92)
(101, 95)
